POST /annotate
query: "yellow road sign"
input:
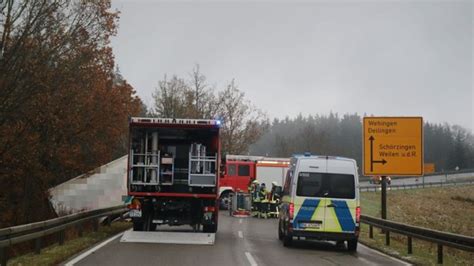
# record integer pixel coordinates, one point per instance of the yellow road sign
(393, 146)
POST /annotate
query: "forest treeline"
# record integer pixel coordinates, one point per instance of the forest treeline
(446, 146)
(63, 107)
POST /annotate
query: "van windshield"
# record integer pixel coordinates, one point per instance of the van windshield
(325, 185)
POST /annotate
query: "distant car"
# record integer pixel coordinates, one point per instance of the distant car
(378, 180)
(320, 201)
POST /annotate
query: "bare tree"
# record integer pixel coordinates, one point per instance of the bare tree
(171, 98)
(206, 104)
(179, 98)
(243, 124)
(198, 86)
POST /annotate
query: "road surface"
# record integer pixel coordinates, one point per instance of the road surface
(239, 241)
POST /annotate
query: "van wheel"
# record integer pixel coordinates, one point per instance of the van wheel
(287, 239)
(340, 244)
(352, 245)
(280, 233)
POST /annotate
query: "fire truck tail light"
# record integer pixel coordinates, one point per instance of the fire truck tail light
(209, 209)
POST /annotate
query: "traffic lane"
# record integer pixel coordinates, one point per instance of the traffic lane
(261, 236)
(228, 250)
(238, 242)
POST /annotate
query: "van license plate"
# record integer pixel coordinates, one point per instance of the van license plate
(135, 213)
(316, 225)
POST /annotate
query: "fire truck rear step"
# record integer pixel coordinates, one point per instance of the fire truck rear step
(187, 238)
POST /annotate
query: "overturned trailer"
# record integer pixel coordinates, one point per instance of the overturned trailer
(172, 173)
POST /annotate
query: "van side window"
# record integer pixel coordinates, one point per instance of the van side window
(286, 188)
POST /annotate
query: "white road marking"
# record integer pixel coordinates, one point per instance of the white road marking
(240, 220)
(251, 259)
(385, 255)
(240, 234)
(366, 262)
(92, 250)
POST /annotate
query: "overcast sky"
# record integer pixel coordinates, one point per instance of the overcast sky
(382, 58)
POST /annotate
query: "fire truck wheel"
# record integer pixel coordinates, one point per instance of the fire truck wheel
(147, 223)
(209, 228)
(137, 225)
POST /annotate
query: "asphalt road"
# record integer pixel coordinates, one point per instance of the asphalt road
(239, 241)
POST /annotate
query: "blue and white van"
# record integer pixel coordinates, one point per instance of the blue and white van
(321, 200)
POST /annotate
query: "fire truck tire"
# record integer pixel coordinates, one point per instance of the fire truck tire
(209, 228)
(137, 225)
(145, 222)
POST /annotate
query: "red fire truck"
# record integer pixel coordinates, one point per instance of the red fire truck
(172, 173)
(240, 170)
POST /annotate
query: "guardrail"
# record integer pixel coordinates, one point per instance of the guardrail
(35, 231)
(440, 238)
(375, 188)
(363, 178)
(452, 172)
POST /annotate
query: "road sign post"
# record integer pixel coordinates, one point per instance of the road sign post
(384, 197)
(392, 146)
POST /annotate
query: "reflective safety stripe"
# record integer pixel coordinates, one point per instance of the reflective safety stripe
(331, 221)
(306, 211)
(318, 214)
(339, 218)
(344, 215)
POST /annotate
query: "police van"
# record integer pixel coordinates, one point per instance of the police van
(320, 200)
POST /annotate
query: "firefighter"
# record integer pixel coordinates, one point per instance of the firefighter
(262, 193)
(255, 187)
(250, 186)
(264, 202)
(274, 199)
(274, 196)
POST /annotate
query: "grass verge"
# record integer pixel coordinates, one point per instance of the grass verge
(449, 209)
(55, 254)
